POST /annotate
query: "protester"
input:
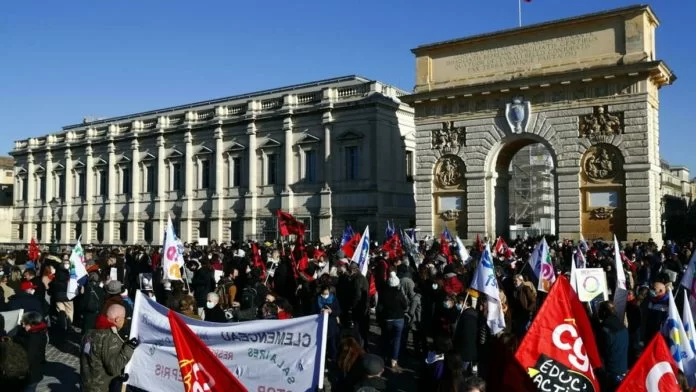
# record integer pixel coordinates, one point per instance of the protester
(33, 337)
(213, 312)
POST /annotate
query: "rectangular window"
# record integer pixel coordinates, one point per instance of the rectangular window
(177, 227)
(150, 184)
(58, 231)
(125, 181)
(78, 230)
(60, 183)
(236, 172)
(20, 233)
(409, 166)
(236, 230)
(176, 176)
(310, 174)
(352, 162)
(42, 188)
(25, 189)
(205, 174)
(103, 183)
(38, 231)
(100, 232)
(147, 232)
(271, 169)
(82, 184)
(123, 232)
(203, 227)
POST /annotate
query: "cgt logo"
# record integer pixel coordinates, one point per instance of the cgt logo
(196, 378)
(565, 337)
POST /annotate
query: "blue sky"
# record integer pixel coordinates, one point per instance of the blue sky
(63, 60)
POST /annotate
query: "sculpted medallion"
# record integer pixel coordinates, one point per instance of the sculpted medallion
(601, 124)
(517, 114)
(601, 163)
(449, 171)
(448, 138)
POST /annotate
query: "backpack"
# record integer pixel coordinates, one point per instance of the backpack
(92, 303)
(248, 300)
(14, 362)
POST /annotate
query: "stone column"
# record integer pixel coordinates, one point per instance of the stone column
(88, 212)
(568, 202)
(286, 197)
(134, 204)
(190, 170)
(66, 218)
(250, 200)
(325, 196)
(50, 192)
(110, 224)
(477, 208)
(218, 211)
(161, 210)
(502, 205)
(29, 198)
(489, 193)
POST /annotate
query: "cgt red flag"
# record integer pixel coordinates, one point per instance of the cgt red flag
(33, 250)
(350, 246)
(559, 348)
(655, 370)
(287, 224)
(393, 247)
(201, 370)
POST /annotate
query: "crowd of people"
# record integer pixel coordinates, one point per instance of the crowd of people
(419, 305)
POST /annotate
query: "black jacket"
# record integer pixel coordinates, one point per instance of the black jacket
(392, 304)
(360, 300)
(58, 288)
(27, 302)
(215, 315)
(203, 283)
(466, 335)
(34, 343)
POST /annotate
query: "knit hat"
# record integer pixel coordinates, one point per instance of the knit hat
(114, 287)
(373, 364)
(26, 285)
(393, 279)
(29, 265)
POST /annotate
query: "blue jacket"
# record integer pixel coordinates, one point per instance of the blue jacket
(614, 346)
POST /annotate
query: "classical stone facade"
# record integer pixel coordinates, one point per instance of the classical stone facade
(331, 152)
(585, 87)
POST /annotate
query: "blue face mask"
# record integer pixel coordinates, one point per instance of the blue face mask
(460, 307)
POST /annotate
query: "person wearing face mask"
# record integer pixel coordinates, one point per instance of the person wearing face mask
(466, 329)
(58, 290)
(391, 309)
(327, 304)
(658, 305)
(213, 311)
(25, 299)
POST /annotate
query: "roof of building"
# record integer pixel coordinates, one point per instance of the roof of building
(6, 162)
(538, 26)
(349, 79)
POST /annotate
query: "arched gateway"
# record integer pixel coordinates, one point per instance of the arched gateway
(586, 88)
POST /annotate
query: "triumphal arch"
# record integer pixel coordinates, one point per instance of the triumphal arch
(584, 87)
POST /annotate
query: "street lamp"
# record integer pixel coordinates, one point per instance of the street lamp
(53, 204)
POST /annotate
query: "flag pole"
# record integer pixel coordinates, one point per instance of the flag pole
(519, 12)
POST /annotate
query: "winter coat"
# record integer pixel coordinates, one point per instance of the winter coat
(58, 288)
(466, 335)
(103, 356)
(613, 343)
(26, 301)
(215, 315)
(203, 283)
(34, 343)
(413, 312)
(392, 304)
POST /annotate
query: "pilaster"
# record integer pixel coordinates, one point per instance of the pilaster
(250, 200)
(189, 168)
(286, 197)
(50, 193)
(218, 210)
(568, 202)
(134, 202)
(67, 212)
(29, 225)
(88, 214)
(161, 210)
(109, 237)
(325, 196)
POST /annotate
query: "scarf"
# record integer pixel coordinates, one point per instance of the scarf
(325, 302)
(41, 327)
(103, 322)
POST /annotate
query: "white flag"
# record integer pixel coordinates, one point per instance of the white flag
(485, 282)
(361, 257)
(620, 274)
(462, 251)
(547, 274)
(690, 276)
(679, 343)
(172, 253)
(78, 272)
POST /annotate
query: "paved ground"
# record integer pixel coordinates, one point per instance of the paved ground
(62, 368)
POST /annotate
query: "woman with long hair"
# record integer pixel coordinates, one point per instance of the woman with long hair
(349, 360)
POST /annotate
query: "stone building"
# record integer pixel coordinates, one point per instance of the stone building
(677, 197)
(331, 152)
(584, 87)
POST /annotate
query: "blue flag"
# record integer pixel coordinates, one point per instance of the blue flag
(347, 235)
(389, 232)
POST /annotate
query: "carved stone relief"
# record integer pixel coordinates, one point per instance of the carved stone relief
(601, 163)
(449, 172)
(602, 213)
(517, 114)
(448, 139)
(449, 215)
(601, 125)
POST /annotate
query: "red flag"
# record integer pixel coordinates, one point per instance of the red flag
(500, 246)
(655, 370)
(559, 348)
(301, 259)
(350, 246)
(479, 244)
(33, 250)
(393, 247)
(256, 259)
(287, 224)
(201, 370)
(445, 248)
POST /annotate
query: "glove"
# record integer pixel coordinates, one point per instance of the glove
(133, 343)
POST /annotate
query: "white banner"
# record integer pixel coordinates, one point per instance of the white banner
(265, 355)
(591, 283)
(13, 319)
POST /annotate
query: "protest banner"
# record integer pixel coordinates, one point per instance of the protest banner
(265, 355)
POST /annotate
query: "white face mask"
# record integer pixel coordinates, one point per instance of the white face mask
(209, 305)
(434, 286)
(31, 292)
(322, 265)
(66, 266)
(325, 296)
